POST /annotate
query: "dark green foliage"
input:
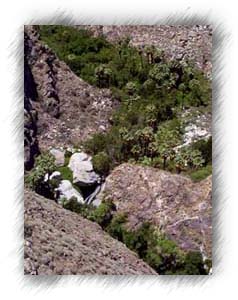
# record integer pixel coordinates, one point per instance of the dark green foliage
(44, 164)
(103, 214)
(205, 147)
(201, 173)
(82, 209)
(149, 88)
(193, 264)
(101, 163)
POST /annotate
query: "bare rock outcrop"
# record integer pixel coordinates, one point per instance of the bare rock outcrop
(70, 109)
(176, 205)
(58, 241)
(30, 114)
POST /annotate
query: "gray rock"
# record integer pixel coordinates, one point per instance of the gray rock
(66, 190)
(82, 168)
(59, 156)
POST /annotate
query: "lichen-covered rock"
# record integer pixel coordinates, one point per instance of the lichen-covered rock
(82, 168)
(176, 205)
(60, 242)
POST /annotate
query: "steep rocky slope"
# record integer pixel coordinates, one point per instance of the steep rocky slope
(61, 242)
(179, 207)
(68, 108)
(30, 115)
(180, 42)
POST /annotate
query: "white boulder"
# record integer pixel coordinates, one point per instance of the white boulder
(66, 190)
(82, 168)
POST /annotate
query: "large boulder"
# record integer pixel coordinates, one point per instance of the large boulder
(173, 203)
(67, 191)
(82, 168)
(61, 242)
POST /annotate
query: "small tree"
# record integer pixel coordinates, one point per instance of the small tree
(187, 157)
(166, 139)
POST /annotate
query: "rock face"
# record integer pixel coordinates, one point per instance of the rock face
(70, 110)
(30, 114)
(82, 168)
(60, 242)
(192, 43)
(179, 207)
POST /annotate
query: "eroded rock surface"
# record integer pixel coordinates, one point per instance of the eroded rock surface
(176, 205)
(30, 114)
(58, 241)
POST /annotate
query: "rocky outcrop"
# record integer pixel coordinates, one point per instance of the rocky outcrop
(181, 42)
(30, 114)
(70, 110)
(60, 242)
(176, 205)
(45, 74)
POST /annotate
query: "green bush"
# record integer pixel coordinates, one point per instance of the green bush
(81, 208)
(44, 164)
(101, 163)
(201, 174)
(103, 214)
(205, 147)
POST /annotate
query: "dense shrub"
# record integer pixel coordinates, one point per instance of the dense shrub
(83, 209)
(101, 163)
(205, 147)
(201, 174)
(150, 89)
(44, 164)
(103, 214)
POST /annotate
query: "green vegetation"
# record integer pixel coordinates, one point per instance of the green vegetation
(83, 209)
(151, 91)
(201, 173)
(101, 163)
(66, 173)
(44, 164)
